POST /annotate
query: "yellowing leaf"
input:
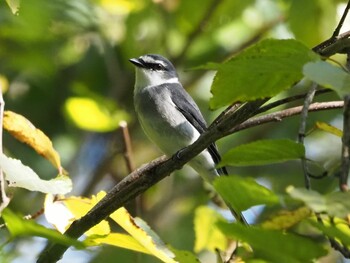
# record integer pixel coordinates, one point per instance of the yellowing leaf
(4, 84)
(24, 131)
(121, 7)
(79, 206)
(138, 229)
(329, 128)
(23, 176)
(208, 236)
(89, 115)
(286, 219)
(123, 241)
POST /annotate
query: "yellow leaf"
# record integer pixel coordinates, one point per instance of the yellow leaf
(139, 230)
(121, 240)
(24, 131)
(287, 219)
(4, 84)
(79, 206)
(329, 128)
(89, 115)
(208, 236)
(121, 7)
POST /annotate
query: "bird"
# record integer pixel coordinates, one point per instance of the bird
(169, 116)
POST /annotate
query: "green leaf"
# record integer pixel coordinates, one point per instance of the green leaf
(243, 193)
(261, 71)
(263, 152)
(338, 231)
(208, 236)
(20, 227)
(335, 204)
(184, 256)
(329, 76)
(275, 246)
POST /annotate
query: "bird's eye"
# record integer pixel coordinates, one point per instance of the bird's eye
(158, 66)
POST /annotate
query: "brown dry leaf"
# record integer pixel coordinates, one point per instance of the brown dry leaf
(24, 131)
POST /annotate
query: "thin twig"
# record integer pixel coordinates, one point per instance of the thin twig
(341, 21)
(280, 115)
(345, 155)
(128, 155)
(302, 130)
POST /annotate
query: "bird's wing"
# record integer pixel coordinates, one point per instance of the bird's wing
(186, 105)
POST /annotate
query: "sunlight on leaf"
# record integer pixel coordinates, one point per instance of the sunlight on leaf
(208, 236)
(79, 206)
(275, 246)
(57, 214)
(23, 176)
(286, 219)
(339, 230)
(14, 5)
(4, 84)
(138, 229)
(121, 240)
(329, 128)
(20, 227)
(263, 152)
(121, 7)
(328, 76)
(243, 193)
(262, 70)
(89, 115)
(24, 131)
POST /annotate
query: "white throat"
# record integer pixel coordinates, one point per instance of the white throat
(146, 78)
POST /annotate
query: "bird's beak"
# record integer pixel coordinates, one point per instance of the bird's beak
(137, 62)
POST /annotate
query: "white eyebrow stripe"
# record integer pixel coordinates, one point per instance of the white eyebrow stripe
(172, 80)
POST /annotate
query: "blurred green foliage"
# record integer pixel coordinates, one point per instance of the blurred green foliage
(54, 51)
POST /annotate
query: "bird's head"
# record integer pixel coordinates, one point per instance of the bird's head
(153, 70)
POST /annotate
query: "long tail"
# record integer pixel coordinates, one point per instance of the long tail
(222, 171)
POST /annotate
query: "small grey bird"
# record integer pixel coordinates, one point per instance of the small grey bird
(170, 117)
(168, 114)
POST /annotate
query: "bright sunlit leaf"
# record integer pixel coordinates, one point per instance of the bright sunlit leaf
(339, 230)
(23, 176)
(90, 115)
(263, 70)
(79, 206)
(57, 214)
(263, 152)
(139, 230)
(329, 128)
(24, 131)
(121, 7)
(208, 236)
(329, 76)
(14, 5)
(243, 193)
(20, 227)
(121, 240)
(4, 84)
(273, 245)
